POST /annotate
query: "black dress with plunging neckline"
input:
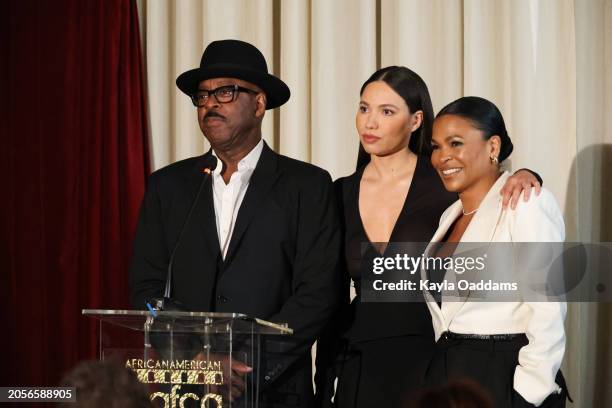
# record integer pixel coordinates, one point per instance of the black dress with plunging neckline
(384, 347)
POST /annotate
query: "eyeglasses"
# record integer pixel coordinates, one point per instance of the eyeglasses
(223, 94)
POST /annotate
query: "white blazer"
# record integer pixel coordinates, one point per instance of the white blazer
(538, 220)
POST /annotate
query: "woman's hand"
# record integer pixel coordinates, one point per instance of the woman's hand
(520, 182)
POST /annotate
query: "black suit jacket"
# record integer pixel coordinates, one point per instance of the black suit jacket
(281, 264)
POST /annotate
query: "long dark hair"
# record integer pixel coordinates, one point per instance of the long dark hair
(484, 116)
(411, 87)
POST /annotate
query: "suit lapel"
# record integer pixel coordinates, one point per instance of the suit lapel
(450, 215)
(263, 178)
(205, 208)
(481, 229)
(446, 221)
(485, 221)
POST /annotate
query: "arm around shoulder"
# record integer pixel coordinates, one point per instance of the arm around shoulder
(538, 220)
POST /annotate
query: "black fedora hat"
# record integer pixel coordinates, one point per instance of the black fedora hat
(235, 59)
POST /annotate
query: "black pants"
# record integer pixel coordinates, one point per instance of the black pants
(489, 363)
(383, 372)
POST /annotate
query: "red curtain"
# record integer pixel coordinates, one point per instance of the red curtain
(74, 162)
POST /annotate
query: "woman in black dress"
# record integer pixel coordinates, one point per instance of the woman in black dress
(376, 352)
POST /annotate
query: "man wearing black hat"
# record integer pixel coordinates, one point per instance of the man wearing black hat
(263, 236)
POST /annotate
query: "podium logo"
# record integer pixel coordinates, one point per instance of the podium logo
(177, 373)
(200, 372)
(170, 399)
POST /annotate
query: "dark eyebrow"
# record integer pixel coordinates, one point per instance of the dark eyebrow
(447, 138)
(451, 136)
(386, 105)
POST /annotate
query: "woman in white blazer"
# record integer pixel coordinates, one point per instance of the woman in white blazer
(513, 349)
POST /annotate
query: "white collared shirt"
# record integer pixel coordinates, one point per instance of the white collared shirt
(228, 197)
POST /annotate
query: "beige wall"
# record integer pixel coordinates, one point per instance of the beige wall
(546, 63)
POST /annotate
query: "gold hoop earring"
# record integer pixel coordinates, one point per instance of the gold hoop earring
(494, 160)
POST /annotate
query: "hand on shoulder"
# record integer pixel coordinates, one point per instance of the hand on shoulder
(538, 220)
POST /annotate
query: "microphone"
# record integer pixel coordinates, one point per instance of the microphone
(207, 166)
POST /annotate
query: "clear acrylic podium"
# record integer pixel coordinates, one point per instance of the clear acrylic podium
(188, 359)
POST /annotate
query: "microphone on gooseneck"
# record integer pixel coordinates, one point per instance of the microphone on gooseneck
(208, 164)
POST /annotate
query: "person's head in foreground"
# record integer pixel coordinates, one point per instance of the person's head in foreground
(394, 114)
(106, 384)
(456, 394)
(469, 141)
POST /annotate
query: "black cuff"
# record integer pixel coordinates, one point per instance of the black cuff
(536, 175)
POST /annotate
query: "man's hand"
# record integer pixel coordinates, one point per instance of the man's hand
(237, 373)
(520, 182)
